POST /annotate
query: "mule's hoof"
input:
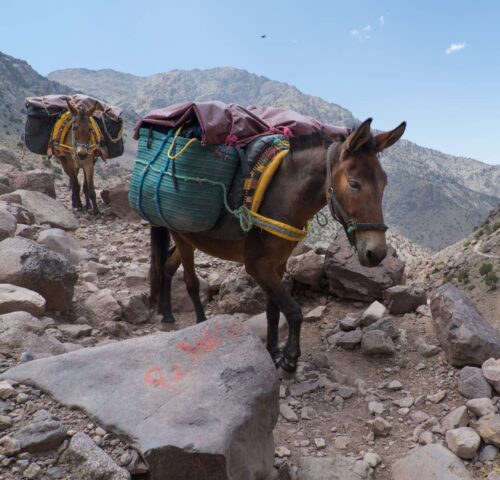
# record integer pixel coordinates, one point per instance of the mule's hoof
(284, 375)
(276, 356)
(167, 326)
(287, 364)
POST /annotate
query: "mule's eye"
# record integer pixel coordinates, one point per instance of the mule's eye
(354, 185)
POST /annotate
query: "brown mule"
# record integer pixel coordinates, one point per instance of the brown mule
(348, 175)
(77, 153)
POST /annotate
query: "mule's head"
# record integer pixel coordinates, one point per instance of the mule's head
(358, 183)
(81, 129)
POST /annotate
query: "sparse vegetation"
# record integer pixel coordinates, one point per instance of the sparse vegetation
(463, 276)
(495, 226)
(485, 268)
(491, 279)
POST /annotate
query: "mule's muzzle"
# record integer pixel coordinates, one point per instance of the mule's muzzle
(371, 257)
(82, 154)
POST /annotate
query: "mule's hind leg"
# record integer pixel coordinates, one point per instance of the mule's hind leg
(164, 263)
(165, 300)
(186, 252)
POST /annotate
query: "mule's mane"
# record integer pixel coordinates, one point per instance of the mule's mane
(304, 142)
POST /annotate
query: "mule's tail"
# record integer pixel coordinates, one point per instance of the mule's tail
(160, 251)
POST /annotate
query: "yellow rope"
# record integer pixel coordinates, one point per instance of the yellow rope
(173, 157)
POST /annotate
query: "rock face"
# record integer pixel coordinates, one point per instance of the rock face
(47, 210)
(463, 441)
(472, 384)
(213, 384)
(432, 462)
(465, 336)
(14, 299)
(349, 279)
(489, 429)
(117, 199)
(27, 264)
(306, 268)
(239, 293)
(103, 306)
(491, 371)
(404, 298)
(33, 180)
(90, 461)
(7, 224)
(61, 242)
(20, 332)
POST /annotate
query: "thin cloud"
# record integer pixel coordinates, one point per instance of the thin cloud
(381, 20)
(362, 34)
(455, 47)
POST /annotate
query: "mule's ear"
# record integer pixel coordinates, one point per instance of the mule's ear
(359, 136)
(386, 139)
(72, 107)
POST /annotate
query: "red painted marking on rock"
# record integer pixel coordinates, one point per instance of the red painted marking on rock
(155, 376)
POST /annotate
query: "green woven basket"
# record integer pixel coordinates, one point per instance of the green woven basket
(186, 193)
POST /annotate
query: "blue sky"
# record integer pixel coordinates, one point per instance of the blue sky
(435, 64)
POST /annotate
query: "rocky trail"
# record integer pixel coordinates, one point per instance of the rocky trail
(384, 387)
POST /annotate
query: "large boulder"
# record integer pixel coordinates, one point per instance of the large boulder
(239, 293)
(15, 299)
(27, 264)
(465, 336)
(20, 332)
(306, 268)
(47, 210)
(117, 199)
(34, 180)
(102, 306)
(432, 462)
(349, 279)
(404, 298)
(214, 385)
(64, 243)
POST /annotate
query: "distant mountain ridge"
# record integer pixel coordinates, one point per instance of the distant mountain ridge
(432, 198)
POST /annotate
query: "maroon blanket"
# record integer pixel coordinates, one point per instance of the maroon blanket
(235, 125)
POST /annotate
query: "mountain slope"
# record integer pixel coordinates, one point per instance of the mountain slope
(18, 81)
(433, 198)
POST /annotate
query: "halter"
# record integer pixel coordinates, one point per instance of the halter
(340, 215)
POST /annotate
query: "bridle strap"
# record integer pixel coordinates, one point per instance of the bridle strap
(338, 212)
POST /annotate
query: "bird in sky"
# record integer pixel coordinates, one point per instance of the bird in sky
(263, 36)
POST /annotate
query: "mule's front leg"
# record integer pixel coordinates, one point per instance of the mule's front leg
(273, 319)
(266, 275)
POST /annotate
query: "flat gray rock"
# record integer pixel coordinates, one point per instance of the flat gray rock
(200, 403)
(465, 336)
(432, 462)
(47, 210)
